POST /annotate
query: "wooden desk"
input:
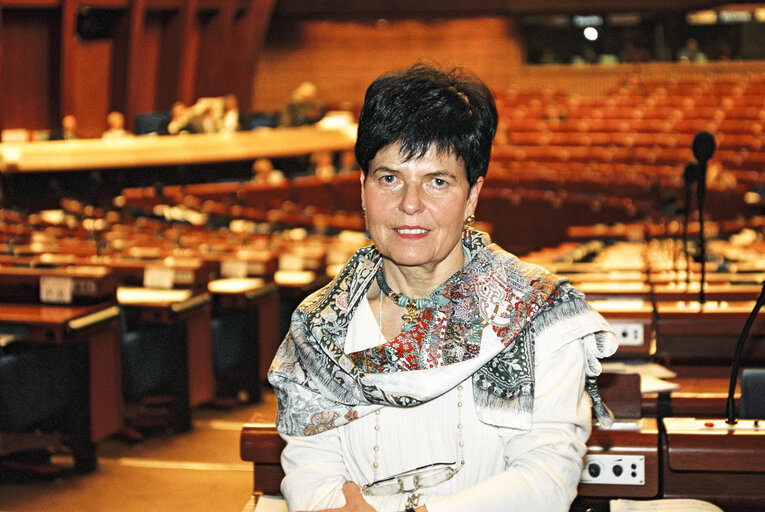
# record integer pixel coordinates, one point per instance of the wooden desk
(703, 392)
(691, 332)
(93, 331)
(261, 444)
(260, 301)
(633, 322)
(294, 286)
(664, 292)
(705, 459)
(189, 316)
(684, 332)
(142, 161)
(86, 284)
(88, 154)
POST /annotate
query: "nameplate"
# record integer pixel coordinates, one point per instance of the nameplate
(233, 268)
(56, 289)
(291, 262)
(158, 277)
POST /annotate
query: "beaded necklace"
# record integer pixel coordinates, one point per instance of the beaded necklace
(413, 306)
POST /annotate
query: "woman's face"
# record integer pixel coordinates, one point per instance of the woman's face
(415, 209)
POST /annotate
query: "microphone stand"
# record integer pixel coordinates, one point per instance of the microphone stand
(737, 358)
(703, 147)
(690, 175)
(701, 193)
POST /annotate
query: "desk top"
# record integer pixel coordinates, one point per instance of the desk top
(147, 151)
(41, 314)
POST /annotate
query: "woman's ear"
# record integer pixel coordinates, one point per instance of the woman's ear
(362, 178)
(472, 199)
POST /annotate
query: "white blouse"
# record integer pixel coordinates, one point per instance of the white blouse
(505, 469)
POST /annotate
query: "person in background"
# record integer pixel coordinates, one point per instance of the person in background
(548, 56)
(303, 107)
(208, 122)
(436, 372)
(323, 165)
(179, 119)
(68, 130)
(263, 172)
(691, 52)
(231, 117)
(115, 126)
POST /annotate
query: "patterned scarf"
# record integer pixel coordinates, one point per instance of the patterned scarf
(482, 322)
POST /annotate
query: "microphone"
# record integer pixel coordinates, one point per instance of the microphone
(703, 148)
(690, 176)
(737, 357)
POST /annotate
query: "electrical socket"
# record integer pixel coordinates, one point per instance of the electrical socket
(601, 468)
(630, 334)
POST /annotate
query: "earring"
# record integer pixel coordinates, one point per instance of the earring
(467, 231)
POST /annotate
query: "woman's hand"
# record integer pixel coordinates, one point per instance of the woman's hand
(354, 501)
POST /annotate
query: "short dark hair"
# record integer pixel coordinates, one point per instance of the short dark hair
(423, 106)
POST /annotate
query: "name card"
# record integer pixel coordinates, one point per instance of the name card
(233, 268)
(158, 277)
(56, 289)
(292, 262)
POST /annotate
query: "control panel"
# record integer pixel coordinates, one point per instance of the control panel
(601, 468)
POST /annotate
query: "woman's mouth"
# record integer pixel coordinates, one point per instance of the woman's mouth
(411, 232)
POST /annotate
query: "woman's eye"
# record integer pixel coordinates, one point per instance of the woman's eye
(388, 179)
(439, 182)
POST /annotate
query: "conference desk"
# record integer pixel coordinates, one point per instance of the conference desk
(665, 292)
(261, 444)
(93, 333)
(712, 460)
(258, 300)
(165, 157)
(155, 151)
(672, 460)
(685, 331)
(188, 316)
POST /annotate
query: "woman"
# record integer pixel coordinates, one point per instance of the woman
(436, 372)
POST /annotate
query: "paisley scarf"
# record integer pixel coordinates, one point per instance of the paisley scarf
(482, 322)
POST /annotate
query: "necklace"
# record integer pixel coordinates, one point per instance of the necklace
(413, 306)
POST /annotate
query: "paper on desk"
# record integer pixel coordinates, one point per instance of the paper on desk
(650, 384)
(293, 277)
(271, 504)
(137, 295)
(235, 284)
(665, 505)
(643, 368)
(652, 375)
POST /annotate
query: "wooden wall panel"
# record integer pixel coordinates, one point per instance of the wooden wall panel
(29, 68)
(91, 70)
(153, 53)
(208, 54)
(169, 60)
(145, 76)
(118, 88)
(342, 58)
(248, 34)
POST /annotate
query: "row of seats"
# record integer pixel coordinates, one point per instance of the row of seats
(646, 122)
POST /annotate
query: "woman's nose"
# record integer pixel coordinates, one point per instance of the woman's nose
(411, 201)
